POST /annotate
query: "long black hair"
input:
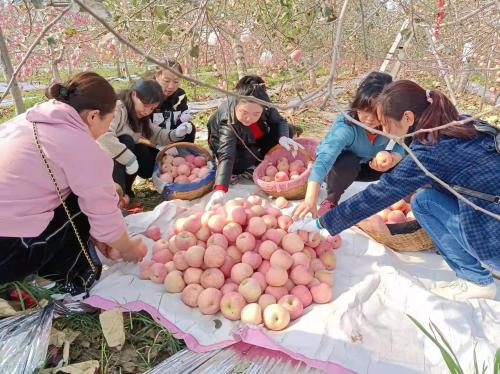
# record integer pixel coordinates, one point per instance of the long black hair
(368, 91)
(149, 92)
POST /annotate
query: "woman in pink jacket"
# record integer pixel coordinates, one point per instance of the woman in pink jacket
(36, 235)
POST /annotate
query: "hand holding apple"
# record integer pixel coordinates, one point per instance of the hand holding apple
(134, 251)
(382, 161)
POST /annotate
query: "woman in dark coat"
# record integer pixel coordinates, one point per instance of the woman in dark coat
(241, 132)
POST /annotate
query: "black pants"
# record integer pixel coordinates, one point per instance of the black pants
(344, 172)
(146, 157)
(51, 254)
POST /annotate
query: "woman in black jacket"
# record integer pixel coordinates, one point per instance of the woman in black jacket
(173, 110)
(241, 132)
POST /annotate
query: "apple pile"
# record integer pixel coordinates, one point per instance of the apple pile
(399, 212)
(284, 170)
(239, 259)
(188, 169)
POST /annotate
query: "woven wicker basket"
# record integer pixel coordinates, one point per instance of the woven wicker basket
(415, 241)
(291, 190)
(190, 191)
(310, 144)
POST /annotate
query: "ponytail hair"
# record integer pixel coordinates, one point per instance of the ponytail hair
(430, 108)
(85, 91)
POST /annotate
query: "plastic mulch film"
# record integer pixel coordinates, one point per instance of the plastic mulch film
(241, 359)
(24, 340)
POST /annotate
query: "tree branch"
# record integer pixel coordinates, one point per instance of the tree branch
(30, 50)
(196, 81)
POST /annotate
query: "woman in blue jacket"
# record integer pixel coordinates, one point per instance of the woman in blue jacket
(347, 153)
(462, 157)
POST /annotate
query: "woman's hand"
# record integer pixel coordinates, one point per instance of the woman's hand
(217, 197)
(183, 129)
(382, 161)
(309, 204)
(307, 224)
(305, 208)
(135, 251)
(102, 247)
(290, 145)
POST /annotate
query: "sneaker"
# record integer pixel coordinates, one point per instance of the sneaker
(247, 175)
(234, 180)
(325, 206)
(461, 290)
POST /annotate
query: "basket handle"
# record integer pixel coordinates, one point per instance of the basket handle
(189, 145)
(303, 152)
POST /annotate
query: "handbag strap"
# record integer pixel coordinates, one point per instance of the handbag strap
(65, 207)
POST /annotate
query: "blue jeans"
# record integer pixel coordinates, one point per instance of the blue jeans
(438, 214)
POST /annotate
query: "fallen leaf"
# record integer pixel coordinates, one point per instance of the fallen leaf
(63, 339)
(112, 327)
(58, 337)
(87, 367)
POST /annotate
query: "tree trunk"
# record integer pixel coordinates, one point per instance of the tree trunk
(123, 50)
(118, 66)
(463, 74)
(239, 56)
(54, 63)
(187, 66)
(9, 72)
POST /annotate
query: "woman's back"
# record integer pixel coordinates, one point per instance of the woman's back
(27, 193)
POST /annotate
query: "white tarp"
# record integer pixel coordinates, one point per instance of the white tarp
(364, 329)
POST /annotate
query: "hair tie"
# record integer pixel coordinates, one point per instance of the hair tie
(428, 96)
(64, 92)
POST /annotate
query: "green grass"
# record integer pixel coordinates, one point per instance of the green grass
(449, 356)
(147, 342)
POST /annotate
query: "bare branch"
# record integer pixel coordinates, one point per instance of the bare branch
(155, 61)
(30, 50)
(441, 66)
(336, 51)
(467, 16)
(365, 47)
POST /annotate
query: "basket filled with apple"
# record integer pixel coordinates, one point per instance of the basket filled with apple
(282, 174)
(239, 259)
(397, 228)
(184, 171)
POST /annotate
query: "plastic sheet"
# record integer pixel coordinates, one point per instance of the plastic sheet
(24, 340)
(240, 358)
(365, 329)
